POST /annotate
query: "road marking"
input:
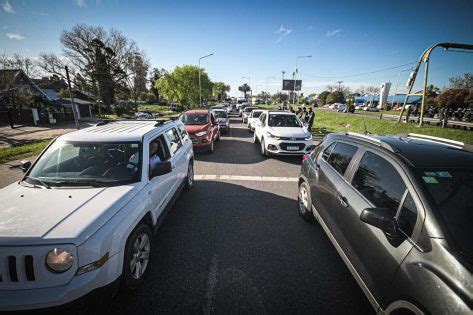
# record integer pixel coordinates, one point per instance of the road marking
(211, 283)
(246, 178)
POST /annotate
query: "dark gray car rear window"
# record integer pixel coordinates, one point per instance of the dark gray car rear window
(341, 156)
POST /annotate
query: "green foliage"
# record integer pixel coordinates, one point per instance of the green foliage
(453, 98)
(151, 98)
(64, 93)
(322, 98)
(219, 90)
(143, 96)
(335, 97)
(122, 108)
(182, 85)
(245, 88)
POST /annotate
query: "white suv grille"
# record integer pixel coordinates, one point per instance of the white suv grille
(23, 267)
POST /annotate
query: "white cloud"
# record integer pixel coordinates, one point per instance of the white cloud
(331, 33)
(80, 3)
(282, 32)
(15, 36)
(7, 7)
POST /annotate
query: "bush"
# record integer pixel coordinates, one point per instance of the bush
(122, 108)
(335, 97)
(151, 98)
(143, 96)
(322, 98)
(453, 98)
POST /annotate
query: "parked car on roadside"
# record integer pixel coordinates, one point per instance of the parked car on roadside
(82, 218)
(246, 112)
(223, 120)
(253, 118)
(282, 133)
(202, 127)
(398, 211)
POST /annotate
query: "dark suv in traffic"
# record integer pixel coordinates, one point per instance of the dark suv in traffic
(399, 211)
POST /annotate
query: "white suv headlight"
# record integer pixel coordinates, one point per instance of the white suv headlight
(270, 135)
(202, 133)
(59, 260)
(308, 137)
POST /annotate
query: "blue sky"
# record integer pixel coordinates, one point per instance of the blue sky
(261, 38)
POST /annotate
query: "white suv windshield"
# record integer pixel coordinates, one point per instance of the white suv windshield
(278, 120)
(81, 163)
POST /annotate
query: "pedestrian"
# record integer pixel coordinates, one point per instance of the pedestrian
(310, 119)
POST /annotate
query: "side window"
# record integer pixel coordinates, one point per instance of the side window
(408, 216)
(183, 133)
(212, 119)
(379, 182)
(341, 156)
(263, 119)
(327, 151)
(173, 139)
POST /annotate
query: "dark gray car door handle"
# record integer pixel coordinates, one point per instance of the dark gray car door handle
(343, 201)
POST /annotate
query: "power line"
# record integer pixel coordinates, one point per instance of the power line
(359, 74)
(460, 51)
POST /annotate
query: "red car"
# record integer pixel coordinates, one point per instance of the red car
(202, 127)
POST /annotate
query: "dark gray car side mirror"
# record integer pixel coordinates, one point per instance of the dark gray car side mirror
(161, 168)
(381, 218)
(25, 165)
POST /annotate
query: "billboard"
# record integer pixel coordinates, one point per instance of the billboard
(288, 85)
(383, 97)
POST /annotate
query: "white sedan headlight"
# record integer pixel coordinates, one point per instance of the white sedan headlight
(308, 137)
(59, 260)
(270, 135)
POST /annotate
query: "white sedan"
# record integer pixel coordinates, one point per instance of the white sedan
(253, 118)
(282, 133)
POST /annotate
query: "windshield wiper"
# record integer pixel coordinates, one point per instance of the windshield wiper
(36, 181)
(93, 183)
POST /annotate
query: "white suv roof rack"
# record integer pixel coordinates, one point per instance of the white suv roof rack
(436, 139)
(371, 139)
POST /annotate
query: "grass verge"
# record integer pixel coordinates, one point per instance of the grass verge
(327, 122)
(22, 151)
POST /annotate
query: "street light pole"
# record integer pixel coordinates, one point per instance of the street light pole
(200, 86)
(397, 83)
(295, 78)
(267, 86)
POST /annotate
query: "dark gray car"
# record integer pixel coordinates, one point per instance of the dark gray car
(399, 210)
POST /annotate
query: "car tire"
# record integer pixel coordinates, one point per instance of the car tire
(305, 202)
(190, 176)
(211, 147)
(255, 138)
(218, 136)
(263, 148)
(136, 258)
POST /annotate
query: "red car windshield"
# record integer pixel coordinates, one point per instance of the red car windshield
(195, 119)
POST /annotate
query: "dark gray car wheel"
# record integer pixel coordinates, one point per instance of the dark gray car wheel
(305, 202)
(190, 176)
(136, 257)
(263, 148)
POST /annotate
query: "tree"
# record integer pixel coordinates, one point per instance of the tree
(143, 96)
(279, 97)
(219, 90)
(182, 85)
(335, 97)
(97, 59)
(151, 99)
(371, 89)
(245, 88)
(331, 87)
(137, 70)
(322, 98)
(453, 98)
(465, 82)
(361, 90)
(18, 61)
(156, 74)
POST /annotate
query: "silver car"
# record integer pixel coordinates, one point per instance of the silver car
(223, 120)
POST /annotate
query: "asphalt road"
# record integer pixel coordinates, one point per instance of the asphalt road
(238, 246)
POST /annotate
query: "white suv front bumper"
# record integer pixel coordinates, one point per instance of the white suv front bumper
(288, 147)
(45, 297)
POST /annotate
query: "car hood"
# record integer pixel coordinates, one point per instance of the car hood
(289, 132)
(196, 128)
(32, 216)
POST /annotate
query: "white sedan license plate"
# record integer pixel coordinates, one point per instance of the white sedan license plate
(292, 148)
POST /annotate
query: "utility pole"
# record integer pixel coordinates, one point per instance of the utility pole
(295, 77)
(200, 86)
(339, 84)
(282, 84)
(72, 99)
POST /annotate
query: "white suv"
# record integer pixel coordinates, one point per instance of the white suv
(83, 216)
(253, 118)
(282, 133)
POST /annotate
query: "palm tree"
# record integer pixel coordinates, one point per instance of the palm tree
(245, 88)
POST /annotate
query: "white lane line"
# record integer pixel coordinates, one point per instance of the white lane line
(247, 178)
(211, 283)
